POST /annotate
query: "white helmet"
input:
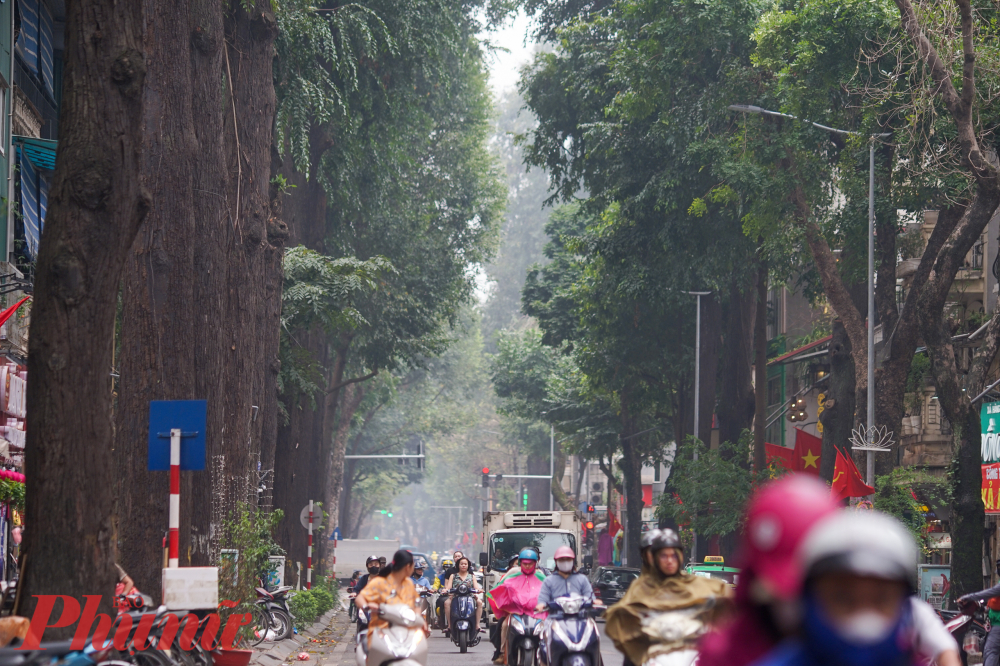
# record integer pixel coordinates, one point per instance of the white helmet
(868, 544)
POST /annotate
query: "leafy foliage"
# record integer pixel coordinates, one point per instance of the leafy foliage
(251, 534)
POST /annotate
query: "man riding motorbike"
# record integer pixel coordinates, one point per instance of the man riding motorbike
(779, 518)
(665, 610)
(373, 565)
(517, 595)
(565, 582)
(858, 572)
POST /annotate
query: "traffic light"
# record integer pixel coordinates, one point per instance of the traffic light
(590, 508)
(524, 497)
(499, 479)
(590, 524)
(797, 411)
(486, 477)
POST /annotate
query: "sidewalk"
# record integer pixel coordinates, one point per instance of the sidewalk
(325, 641)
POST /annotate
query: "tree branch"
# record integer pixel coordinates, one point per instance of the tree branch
(354, 380)
(606, 468)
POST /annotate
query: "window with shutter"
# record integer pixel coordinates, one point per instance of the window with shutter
(45, 48)
(27, 42)
(29, 206)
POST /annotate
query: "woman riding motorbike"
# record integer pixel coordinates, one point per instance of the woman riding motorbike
(463, 575)
(393, 585)
(665, 611)
(516, 595)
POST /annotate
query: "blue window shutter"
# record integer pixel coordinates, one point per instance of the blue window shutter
(29, 206)
(43, 204)
(45, 48)
(27, 42)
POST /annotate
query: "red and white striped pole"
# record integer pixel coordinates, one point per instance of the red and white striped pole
(309, 559)
(175, 496)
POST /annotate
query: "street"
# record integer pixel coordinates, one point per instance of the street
(443, 652)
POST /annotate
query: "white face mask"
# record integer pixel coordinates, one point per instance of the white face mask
(865, 628)
(564, 566)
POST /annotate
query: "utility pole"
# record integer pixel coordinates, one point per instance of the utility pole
(697, 394)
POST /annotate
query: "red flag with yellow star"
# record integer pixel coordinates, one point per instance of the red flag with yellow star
(808, 449)
(847, 480)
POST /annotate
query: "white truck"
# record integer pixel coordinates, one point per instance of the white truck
(506, 533)
(352, 553)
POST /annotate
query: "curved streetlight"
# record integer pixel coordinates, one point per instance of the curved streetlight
(870, 448)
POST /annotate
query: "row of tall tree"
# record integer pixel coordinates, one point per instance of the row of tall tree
(663, 190)
(263, 204)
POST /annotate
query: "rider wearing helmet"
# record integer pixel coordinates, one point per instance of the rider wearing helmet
(778, 520)
(664, 589)
(374, 566)
(565, 581)
(419, 579)
(517, 594)
(858, 572)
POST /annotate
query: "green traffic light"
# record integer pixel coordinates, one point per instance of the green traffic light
(390, 514)
(382, 512)
(376, 538)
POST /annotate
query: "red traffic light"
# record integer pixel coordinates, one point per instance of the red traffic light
(486, 470)
(590, 525)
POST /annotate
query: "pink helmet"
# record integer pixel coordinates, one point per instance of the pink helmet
(564, 552)
(779, 517)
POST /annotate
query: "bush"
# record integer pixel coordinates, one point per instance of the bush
(308, 605)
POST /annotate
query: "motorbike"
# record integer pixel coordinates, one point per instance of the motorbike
(524, 634)
(969, 627)
(364, 615)
(402, 643)
(425, 605)
(464, 631)
(571, 639)
(273, 613)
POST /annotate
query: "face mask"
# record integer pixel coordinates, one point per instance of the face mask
(527, 566)
(850, 643)
(373, 570)
(564, 566)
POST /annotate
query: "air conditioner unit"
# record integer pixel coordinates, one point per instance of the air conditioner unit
(532, 519)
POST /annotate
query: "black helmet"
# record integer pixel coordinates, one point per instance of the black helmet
(371, 558)
(660, 538)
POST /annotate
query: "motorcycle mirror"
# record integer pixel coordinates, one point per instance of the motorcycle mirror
(484, 559)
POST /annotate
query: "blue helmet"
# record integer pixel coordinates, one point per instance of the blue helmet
(528, 554)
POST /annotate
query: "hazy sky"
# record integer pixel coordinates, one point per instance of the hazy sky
(504, 66)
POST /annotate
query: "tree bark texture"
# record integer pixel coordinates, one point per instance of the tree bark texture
(219, 244)
(736, 395)
(760, 372)
(631, 466)
(838, 412)
(96, 206)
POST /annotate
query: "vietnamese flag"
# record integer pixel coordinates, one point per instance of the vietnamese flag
(808, 449)
(6, 314)
(614, 527)
(780, 455)
(847, 481)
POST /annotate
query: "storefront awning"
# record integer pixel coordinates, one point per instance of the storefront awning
(41, 152)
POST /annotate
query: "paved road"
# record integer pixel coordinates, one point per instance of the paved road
(442, 652)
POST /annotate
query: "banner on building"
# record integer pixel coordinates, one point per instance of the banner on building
(989, 417)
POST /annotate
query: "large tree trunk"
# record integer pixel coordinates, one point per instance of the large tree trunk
(838, 411)
(95, 209)
(711, 338)
(760, 372)
(631, 466)
(156, 356)
(212, 248)
(736, 396)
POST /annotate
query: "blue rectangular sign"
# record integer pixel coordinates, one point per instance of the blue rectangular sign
(191, 417)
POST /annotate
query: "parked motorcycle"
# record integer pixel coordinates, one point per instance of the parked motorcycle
(273, 621)
(464, 631)
(571, 639)
(524, 634)
(969, 628)
(402, 643)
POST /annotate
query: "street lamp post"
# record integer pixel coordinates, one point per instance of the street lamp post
(870, 452)
(697, 393)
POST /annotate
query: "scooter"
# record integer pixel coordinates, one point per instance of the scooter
(524, 633)
(364, 615)
(425, 605)
(573, 639)
(402, 643)
(464, 631)
(969, 628)
(274, 603)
